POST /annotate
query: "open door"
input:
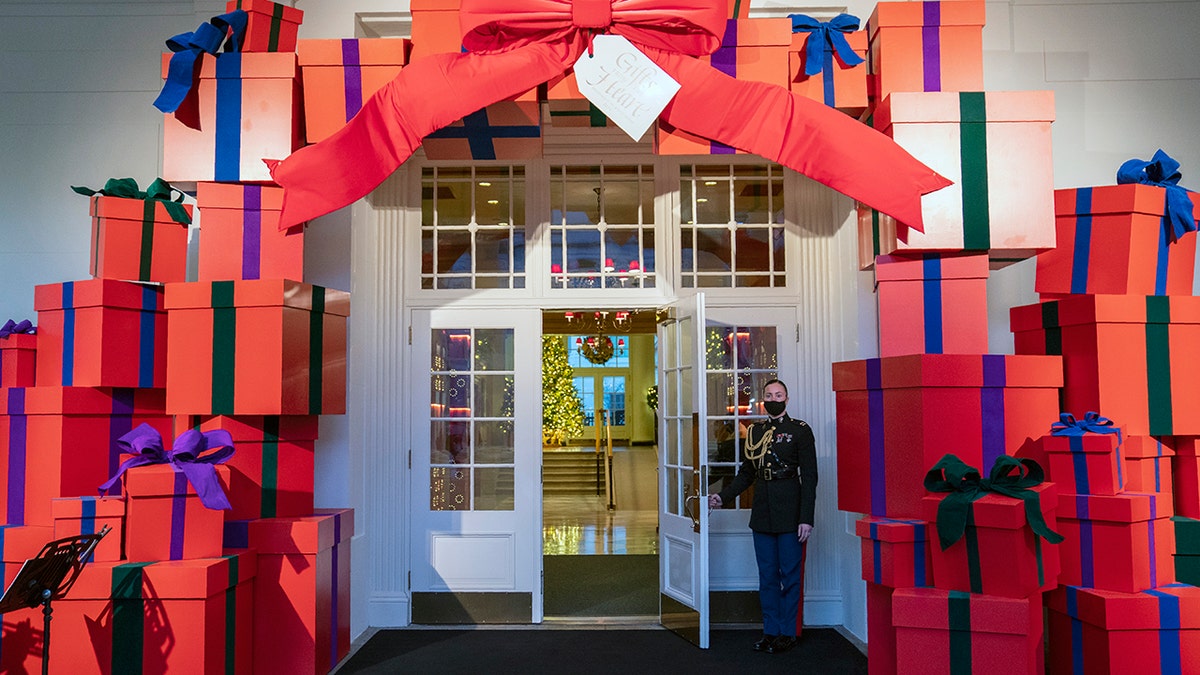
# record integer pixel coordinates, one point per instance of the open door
(683, 472)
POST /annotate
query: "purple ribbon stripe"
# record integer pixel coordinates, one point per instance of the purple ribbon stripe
(991, 399)
(251, 231)
(17, 442)
(931, 45)
(352, 74)
(878, 456)
(178, 514)
(724, 59)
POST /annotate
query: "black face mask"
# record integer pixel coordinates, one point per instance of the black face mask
(774, 408)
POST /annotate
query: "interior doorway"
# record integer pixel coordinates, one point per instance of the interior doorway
(599, 465)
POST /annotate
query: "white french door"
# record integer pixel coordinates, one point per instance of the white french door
(683, 473)
(476, 508)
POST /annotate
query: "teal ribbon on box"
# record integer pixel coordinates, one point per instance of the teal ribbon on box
(188, 48)
(1010, 476)
(826, 39)
(1163, 171)
(158, 191)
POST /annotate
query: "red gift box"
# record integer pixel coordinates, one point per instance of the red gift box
(263, 347)
(881, 647)
(435, 28)
(1120, 542)
(61, 442)
(340, 75)
(1090, 464)
(1094, 631)
(1147, 465)
(1114, 240)
(837, 85)
(249, 111)
(74, 516)
(940, 631)
(1123, 355)
(187, 616)
(270, 26)
(240, 237)
(271, 473)
(927, 46)
(166, 519)
(504, 130)
(21, 644)
(996, 147)
(895, 553)
(304, 573)
(935, 304)
(1186, 476)
(998, 554)
(753, 50)
(897, 416)
(101, 333)
(137, 240)
(18, 360)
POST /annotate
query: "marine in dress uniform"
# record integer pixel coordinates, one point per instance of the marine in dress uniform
(780, 461)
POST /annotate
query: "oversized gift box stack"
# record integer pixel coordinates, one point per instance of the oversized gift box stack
(198, 401)
(1117, 306)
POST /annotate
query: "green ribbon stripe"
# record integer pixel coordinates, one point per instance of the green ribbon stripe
(972, 107)
(224, 340)
(959, 620)
(270, 467)
(1052, 331)
(129, 618)
(147, 252)
(316, 343)
(1158, 365)
(276, 26)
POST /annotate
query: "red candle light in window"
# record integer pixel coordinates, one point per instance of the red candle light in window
(579, 341)
(608, 265)
(556, 268)
(634, 266)
(620, 342)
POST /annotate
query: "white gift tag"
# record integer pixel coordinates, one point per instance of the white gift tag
(624, 84)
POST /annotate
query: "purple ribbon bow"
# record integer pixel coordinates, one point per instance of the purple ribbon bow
(187, 456)
(1092, 422)
(827, 38)
(1162, 170)
(11, 327)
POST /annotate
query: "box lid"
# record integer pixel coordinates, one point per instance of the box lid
(1127, 507)
(97, 293)
(243, 65)
(254, 428)
(1109, 199)
(434, 5)
(161, 480)
(948, 370)
(84, 401)
(1096, 309)
(301, 534)
(19, 543)
(930, 266)
(1145, 447)
(121, 208)
(288, 14)
(19, 341)
(1113, 610)
(87, 507)
(758, 32)
(371, 52)
(892, 530)
(256, 293)
(946, 107)
(238, 196)
(856, 39)
(1090, 443)
(998, 511)
(165, 580)
(931, 608)
(915, 14)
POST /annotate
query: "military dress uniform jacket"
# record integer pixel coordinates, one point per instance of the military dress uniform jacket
(779, 505)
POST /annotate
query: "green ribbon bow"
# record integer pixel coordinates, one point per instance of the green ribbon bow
(158, 191)
(1010, 476)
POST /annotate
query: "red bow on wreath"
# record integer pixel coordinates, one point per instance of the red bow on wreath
(515, 45)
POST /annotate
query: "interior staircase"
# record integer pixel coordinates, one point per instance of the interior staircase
(571, 471)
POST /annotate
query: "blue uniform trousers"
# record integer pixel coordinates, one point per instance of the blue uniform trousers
(779, 557)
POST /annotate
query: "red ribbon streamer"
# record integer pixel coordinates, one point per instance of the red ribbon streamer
(517, 45)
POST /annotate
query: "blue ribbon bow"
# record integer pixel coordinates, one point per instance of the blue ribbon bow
(1163, 171)
(11, 327)
(1092, 422)
(186, 456)
(188, 48)
(827, 38)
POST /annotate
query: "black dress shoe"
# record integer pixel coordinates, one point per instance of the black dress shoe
(764, 643)
(781, 644)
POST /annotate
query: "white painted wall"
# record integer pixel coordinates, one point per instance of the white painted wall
(77, 79)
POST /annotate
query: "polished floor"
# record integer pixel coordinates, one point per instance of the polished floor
(585, 526)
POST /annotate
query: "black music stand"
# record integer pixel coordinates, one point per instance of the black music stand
(48, 576)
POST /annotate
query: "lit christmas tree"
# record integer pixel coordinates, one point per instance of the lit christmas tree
(562, 411)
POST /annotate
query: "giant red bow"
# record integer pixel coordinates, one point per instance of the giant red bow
(519, 44)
